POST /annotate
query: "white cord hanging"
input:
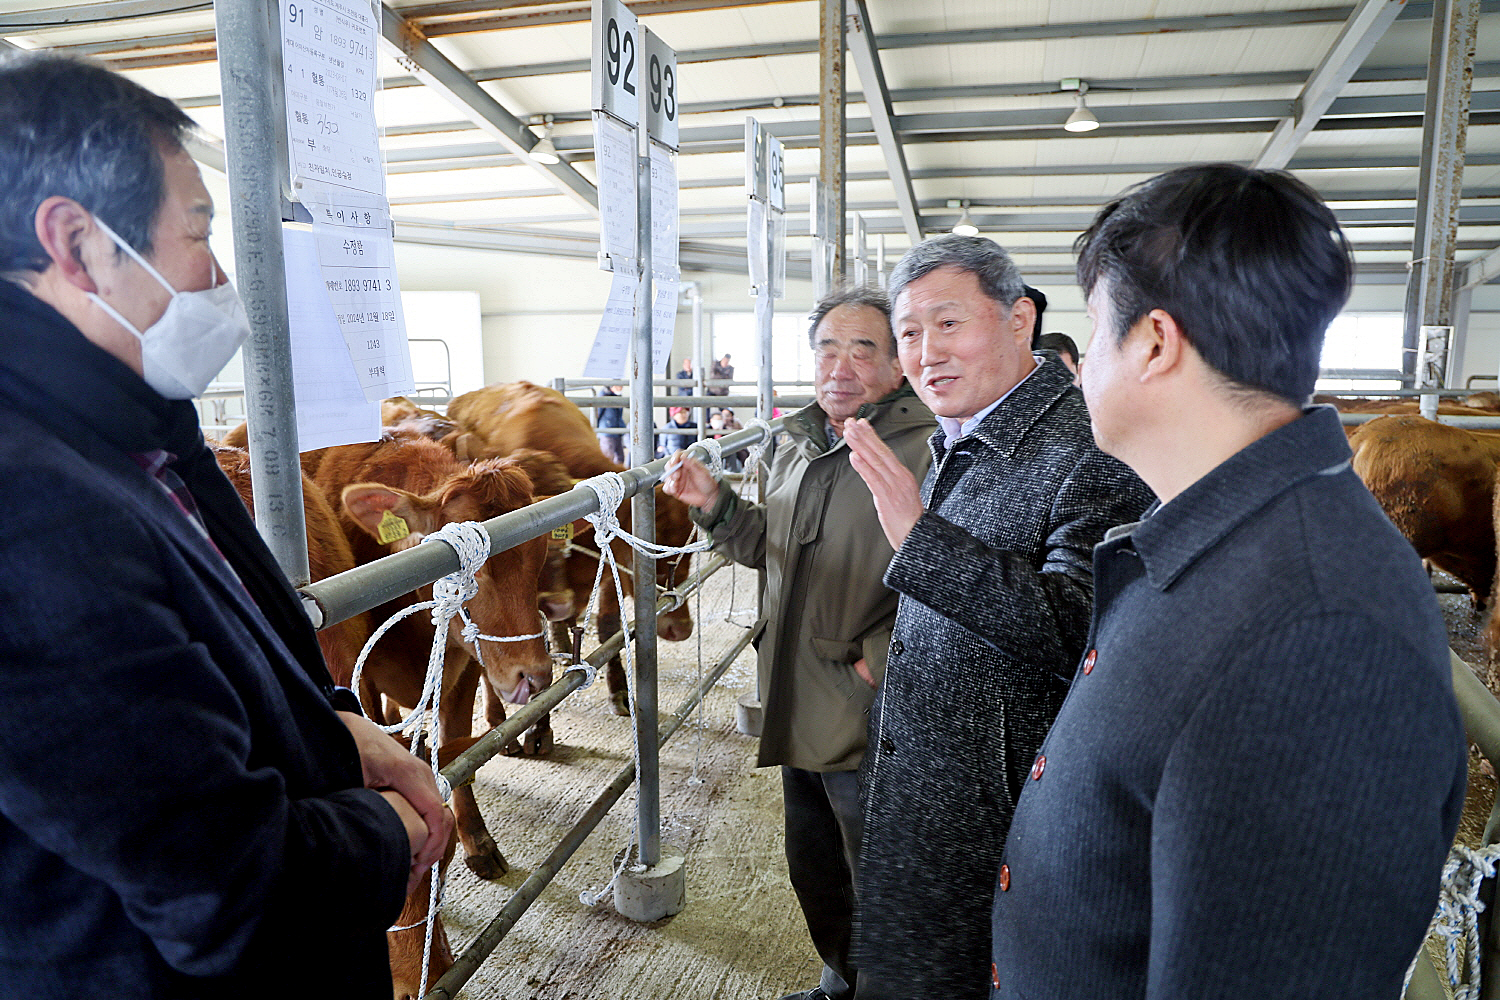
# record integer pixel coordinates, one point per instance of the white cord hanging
(1458, 916)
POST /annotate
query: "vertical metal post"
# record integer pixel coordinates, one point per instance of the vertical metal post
(643, 516)
(1463, 299)
(249, 69)
(831, 136)
(1432, 372)
(1444, 132)
(701, 351)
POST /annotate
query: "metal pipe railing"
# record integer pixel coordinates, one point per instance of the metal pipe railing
(466, 964)
(781, 402)
(347, 594)
(463, 767)
(1452, 420)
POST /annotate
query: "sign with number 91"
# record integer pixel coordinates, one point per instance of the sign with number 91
(618, 61)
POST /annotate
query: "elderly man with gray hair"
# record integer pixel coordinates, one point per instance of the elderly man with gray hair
(993, 561)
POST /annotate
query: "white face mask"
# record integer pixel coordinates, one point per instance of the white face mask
(194, 339)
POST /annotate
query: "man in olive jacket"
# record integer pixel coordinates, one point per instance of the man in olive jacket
(828, 616)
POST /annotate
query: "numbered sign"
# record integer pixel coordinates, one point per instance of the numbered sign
(328, 56)
(661, 90)
(617, 62)
(775, 172)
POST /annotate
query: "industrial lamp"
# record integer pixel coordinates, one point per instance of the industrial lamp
(545, 151)
(1082, 119)
(965, 225)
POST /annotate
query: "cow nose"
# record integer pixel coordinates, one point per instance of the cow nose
(557, 607)
(674, 630)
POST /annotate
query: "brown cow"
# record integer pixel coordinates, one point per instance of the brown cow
(418, 485)
(328, 552)
(1437, 485)
(500, 419)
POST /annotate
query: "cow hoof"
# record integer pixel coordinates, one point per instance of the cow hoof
(513, 749)
(487, 866)
(620, 700)
(537, 744)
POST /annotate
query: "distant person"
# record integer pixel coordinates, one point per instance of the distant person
(722, 370)
(613, 445)
(1038, 299)
(680, 419)
(1251, 789)
(685, 372)
(1064, 347)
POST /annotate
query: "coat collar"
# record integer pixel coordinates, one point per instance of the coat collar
(1174, 536)
(1009, 423)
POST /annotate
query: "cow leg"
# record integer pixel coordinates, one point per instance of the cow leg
(455, 720)
(614, 673)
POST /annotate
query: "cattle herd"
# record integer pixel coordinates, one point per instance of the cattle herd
(498, 449)
(505, 446)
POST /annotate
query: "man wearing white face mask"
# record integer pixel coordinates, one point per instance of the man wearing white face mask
(179, 778)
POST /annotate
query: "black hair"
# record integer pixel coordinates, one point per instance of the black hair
(1251, 264)
(1039, 298)
(70, 127)
(852, 295)
(998, 276)
(1059, 342)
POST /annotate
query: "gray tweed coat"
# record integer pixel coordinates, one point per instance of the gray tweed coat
(996, 588)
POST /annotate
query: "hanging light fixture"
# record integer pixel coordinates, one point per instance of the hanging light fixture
(545, 151)
(965, 225)
(1082, 119)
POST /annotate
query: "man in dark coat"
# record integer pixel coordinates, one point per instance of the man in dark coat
(1251, 788)
(995, 584)
(183, 812)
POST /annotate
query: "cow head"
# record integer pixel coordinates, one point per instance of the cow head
(506, 604)
(673, 527)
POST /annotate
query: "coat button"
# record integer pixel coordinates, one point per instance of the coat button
(1088, 662)
(1005, 878)
(896, 648)
(887, 745)
(1039, 767)
(994, 975)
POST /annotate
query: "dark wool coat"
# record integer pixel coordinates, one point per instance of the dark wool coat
(1251, 789)
(996, 584)
(181, 810)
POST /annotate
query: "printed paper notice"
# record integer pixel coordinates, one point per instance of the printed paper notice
(664, 230)
(611, 351)
(328, 52)
(356, 255)
(615, 160)
(331, 404)
(663, 323)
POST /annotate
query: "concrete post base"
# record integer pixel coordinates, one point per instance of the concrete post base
(652, 893)
(748, 715)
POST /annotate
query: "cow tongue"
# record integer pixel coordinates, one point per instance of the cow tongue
(521, 695)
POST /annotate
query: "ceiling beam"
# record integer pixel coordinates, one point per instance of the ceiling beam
(1479, 271)
(475, 103)
(1360, 33)
(866, 54)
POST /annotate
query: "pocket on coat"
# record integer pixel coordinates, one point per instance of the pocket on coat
(807, 521)
(842, 654)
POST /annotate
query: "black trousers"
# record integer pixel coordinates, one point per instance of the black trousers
(824, 822)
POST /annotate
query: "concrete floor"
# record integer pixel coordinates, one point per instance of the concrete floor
(741, 935)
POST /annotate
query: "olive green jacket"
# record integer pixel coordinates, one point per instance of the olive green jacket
(824, 553)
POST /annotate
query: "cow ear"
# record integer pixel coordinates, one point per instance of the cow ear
(387, 513)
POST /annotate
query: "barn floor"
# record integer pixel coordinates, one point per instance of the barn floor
(741, 935)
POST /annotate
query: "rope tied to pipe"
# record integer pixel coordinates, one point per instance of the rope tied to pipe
(1457, 916)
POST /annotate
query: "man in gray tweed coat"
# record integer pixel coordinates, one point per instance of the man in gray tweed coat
(993, 564)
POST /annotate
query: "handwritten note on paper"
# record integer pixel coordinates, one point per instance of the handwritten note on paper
(331, 404)
(663, 323)
(328, 50)
(664, 228)
(610, 354)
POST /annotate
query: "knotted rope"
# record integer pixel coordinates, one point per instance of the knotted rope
(1458, 915)
(450, 594)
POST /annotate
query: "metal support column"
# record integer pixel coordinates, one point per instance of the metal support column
(831, 138)
(249, 72)
(701, 351)
(1445, 127)
(643, 517)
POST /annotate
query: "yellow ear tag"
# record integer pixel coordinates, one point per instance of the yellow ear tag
(391, 528)
(564, 533)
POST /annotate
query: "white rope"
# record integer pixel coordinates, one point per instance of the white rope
(471, 543)
(1458, 916)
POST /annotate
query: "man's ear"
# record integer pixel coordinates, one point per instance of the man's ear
(63, 227)
(1164, 343)
(1023, 316)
